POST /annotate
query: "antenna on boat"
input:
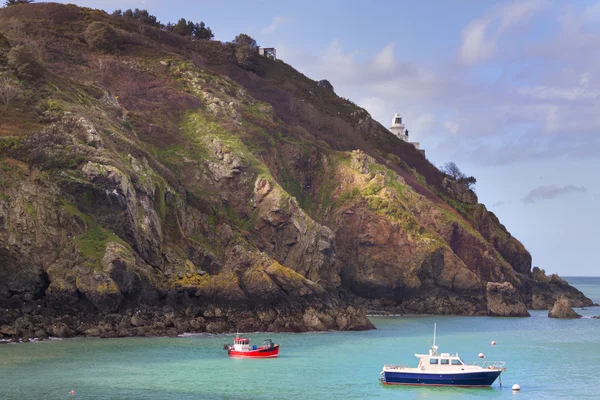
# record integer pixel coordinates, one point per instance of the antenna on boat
(434, 329)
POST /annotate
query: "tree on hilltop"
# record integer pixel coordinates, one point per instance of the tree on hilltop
(452, 170)
(201, 31)
(9, 3)
(139, 15)
(192, 29)
(182, 27)
(246, 50)
(244, 40)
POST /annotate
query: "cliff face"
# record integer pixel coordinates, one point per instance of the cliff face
(163, 189)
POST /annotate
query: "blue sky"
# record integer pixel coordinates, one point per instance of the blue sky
(510, 91)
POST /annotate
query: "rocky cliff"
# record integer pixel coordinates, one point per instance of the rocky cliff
(160, 188)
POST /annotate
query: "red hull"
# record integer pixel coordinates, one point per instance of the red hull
(271, 352)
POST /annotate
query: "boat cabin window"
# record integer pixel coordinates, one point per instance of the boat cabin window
(433, 361)
(444, 361)
(456, 362)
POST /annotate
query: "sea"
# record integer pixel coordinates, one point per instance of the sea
(548, 358)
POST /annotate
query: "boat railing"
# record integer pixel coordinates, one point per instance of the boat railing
(491, 364)
(396, 366)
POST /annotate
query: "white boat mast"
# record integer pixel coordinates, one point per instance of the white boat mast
(434, 348)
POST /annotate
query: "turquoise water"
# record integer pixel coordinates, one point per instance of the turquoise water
(549, 358)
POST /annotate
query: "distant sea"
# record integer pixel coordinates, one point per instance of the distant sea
(549, 358)
(590, 286)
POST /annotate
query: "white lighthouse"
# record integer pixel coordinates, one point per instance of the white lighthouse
(398, 127)
(400, 131)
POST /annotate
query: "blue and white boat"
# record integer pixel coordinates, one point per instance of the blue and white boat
(443, 369)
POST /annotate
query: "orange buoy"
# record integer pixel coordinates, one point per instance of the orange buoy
(72, 393)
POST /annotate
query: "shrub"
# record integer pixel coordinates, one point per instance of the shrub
(101, 36)
(9, 90)
(23, 63)
(325, 84)
(4, 44)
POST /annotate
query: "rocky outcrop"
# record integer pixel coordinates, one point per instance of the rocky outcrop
(504, 300)
(459, 191)
(292, 237)
(562, 309)
(496, 234)
(546, 290)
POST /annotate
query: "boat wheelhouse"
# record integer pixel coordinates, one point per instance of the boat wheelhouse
(241, 348)
(443, 369)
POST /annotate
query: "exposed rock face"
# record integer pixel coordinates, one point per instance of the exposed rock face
(562, 309)
(459, 192)
(546, 290)
(144, 197)
(504, 300)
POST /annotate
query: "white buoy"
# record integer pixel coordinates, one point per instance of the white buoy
(516, 387)
(481, 355)
(493, 343)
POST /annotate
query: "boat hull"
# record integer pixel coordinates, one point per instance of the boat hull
(471, 379)
(269, 352)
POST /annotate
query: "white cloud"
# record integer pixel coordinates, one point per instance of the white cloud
(452, 126)
(592, 13)
(513, 13)
(423, 122)
(476, 45)
(549, 192)
(553, 93)
(384, 60)
(480, 37)
(276, 23)
(501, 203)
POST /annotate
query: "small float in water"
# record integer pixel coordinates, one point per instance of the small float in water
(443, 369)
(241, 348)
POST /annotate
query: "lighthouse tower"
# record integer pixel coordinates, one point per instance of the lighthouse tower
(398, 128)
(400, 131)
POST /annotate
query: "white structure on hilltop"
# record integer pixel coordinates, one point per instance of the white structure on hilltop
(400, 131)
(269, 52)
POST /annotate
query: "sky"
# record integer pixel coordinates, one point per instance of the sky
(508, 90)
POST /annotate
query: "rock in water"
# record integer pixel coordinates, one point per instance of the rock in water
(504, 300)
(562, 309)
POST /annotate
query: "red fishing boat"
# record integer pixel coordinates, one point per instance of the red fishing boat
(241, 349)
